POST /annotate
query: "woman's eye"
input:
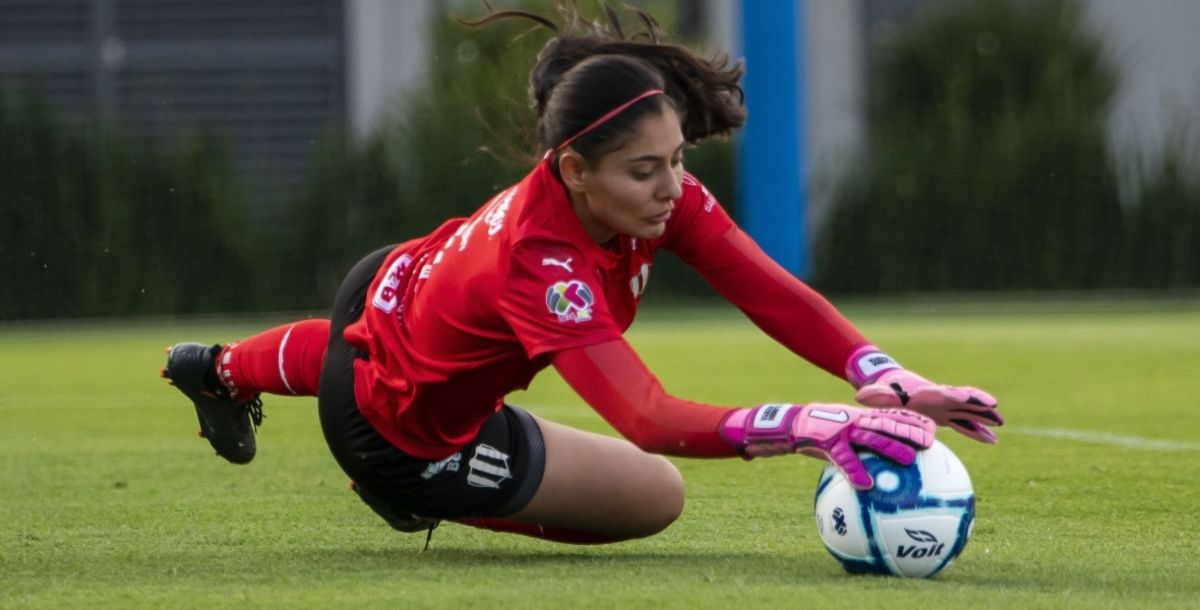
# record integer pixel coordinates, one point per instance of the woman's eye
(642, 175)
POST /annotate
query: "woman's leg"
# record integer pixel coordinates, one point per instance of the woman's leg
(602, 485)
(521, 475)
(285, 360)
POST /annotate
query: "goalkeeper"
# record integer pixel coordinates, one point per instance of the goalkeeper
(426, 338)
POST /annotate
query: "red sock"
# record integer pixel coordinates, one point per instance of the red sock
(284, 360)
(554, 534)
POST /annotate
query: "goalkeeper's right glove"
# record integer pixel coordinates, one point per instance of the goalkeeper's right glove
(882, 382)
(829, 431)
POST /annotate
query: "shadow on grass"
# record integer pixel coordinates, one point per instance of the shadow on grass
(567, 555)
(579, 564)
(763, 568)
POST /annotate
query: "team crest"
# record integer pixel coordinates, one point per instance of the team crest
(571, 301)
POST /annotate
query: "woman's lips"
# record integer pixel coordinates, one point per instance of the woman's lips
(659, 218)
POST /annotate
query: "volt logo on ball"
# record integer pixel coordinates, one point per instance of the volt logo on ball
(933, 549)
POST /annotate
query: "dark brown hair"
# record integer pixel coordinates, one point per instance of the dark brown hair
(590, 67)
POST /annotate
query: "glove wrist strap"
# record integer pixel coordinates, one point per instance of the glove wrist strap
(769, 423)
(866, 364)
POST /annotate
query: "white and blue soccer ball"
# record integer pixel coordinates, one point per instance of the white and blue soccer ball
(913, 523)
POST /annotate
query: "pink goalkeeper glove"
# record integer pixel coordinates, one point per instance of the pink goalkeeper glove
(881, 382)
(829, 431)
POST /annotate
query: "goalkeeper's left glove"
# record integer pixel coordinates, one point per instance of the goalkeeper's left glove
(882, 382)
(830, 432)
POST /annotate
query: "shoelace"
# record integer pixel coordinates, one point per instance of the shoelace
(429, 534)
(254, 407)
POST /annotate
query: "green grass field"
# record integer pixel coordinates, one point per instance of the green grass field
(1091, 499)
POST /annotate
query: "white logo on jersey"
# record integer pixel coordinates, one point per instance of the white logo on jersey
(386, 297)
(710, 202)
(495, 216)
(638, 282)
(547, 262)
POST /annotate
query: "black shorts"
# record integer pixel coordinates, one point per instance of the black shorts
(494, 475)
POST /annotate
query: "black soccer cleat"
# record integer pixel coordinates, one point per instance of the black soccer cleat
(228, 426)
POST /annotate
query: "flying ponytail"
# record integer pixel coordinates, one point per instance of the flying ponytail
(589, 68)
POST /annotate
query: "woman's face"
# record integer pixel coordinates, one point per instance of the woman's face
(631, 191)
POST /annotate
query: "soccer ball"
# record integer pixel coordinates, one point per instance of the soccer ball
(913, 523)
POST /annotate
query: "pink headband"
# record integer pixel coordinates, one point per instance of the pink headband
(600, 121)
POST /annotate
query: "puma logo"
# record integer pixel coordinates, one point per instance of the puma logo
(554, 262)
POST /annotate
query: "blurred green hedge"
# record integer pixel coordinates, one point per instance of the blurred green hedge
(987, 167)
(99, 223)
(102, 222)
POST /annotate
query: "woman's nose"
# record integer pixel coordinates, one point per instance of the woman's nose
(672, 188)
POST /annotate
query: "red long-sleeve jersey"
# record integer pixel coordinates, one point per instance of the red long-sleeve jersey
(458, 319)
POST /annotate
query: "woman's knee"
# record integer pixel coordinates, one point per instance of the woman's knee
(604, 485)
(663, 503)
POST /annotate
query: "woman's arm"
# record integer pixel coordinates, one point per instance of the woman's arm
(616, 383)
(785, 308)
(803, 321)
(613, 380)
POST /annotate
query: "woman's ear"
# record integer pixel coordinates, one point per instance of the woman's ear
(572, 168)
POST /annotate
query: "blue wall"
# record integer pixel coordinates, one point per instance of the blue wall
(771, 150)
